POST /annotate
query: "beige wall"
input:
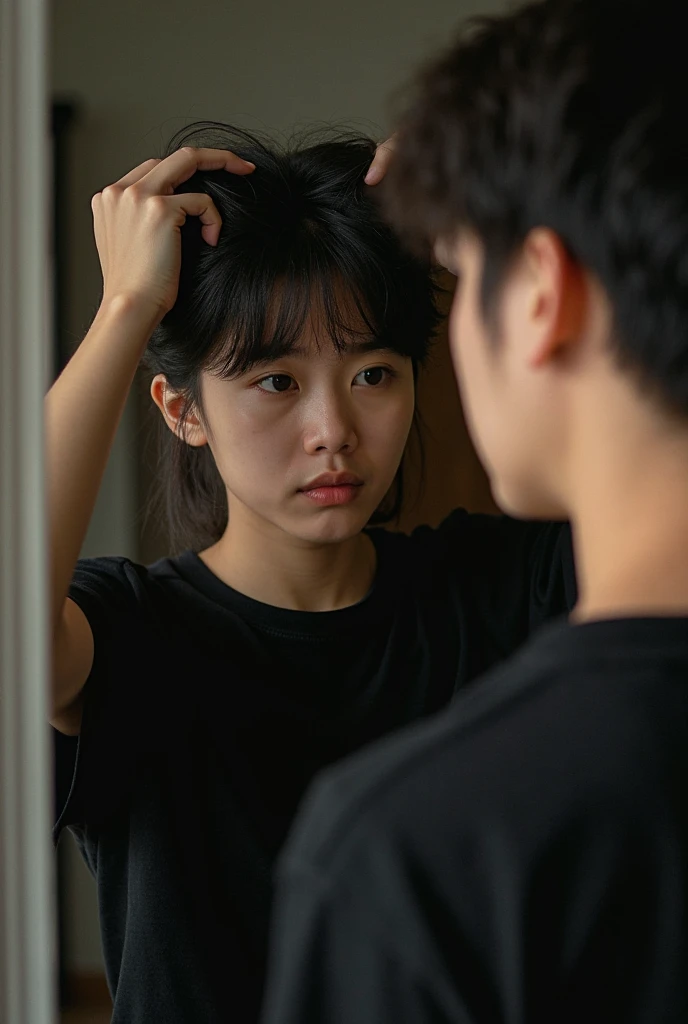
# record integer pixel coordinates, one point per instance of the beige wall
(140, 69)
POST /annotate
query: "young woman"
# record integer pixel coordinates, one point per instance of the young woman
(284, 327)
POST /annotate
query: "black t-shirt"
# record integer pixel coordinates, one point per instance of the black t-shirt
(207, 714)
(521, 858)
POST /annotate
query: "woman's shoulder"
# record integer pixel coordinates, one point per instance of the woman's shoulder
(466, 544)
(118, 582)
(469, 532)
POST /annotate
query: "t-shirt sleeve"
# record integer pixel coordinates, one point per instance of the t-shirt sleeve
(508, 577)
(331, 964)
(94, 770)
(350, 942)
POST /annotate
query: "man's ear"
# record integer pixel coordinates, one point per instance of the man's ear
(171, 404)
(557, 308)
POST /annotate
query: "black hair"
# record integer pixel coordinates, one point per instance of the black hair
(302, 230)
(566, 114)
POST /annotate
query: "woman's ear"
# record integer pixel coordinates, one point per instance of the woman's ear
(171, 404)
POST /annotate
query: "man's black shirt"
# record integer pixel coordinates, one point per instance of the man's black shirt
(521, 858)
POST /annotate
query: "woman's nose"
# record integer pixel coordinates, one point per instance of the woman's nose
(330, 428)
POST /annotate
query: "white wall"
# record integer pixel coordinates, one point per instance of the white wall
(143, 68)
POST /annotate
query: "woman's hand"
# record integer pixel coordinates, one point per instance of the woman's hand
(381, 161)
(137, 222)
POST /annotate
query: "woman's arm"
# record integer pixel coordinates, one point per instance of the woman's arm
(137, 225)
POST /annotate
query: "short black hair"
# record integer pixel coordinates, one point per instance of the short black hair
(571, 115)
(302, 231)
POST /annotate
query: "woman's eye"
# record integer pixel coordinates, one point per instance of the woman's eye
(372, 377)
(276, 383)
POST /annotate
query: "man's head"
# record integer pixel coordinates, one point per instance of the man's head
(545, 159)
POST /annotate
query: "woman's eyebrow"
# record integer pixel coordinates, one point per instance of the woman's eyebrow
(360, 347)
(352, 347)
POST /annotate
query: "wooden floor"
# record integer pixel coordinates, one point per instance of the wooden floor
(86, 994)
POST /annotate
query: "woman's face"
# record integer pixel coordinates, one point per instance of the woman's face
(310, 443)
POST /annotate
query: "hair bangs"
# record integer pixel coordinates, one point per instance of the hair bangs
(267, 306)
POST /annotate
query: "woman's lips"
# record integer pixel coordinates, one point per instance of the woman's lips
(337, 494)
(333, 489)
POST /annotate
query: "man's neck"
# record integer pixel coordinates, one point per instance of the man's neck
(630, 527)
(266, 564)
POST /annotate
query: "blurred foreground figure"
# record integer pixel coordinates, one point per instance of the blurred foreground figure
(523, 856)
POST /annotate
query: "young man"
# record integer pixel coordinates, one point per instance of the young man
(523, 858)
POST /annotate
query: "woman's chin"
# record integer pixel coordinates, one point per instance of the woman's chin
(331, 525)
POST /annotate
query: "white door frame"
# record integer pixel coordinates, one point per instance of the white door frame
(27, 969)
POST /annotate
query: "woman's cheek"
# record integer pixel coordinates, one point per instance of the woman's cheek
(259, 408)
(402, 410)
(388, 427)
(253, 429)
